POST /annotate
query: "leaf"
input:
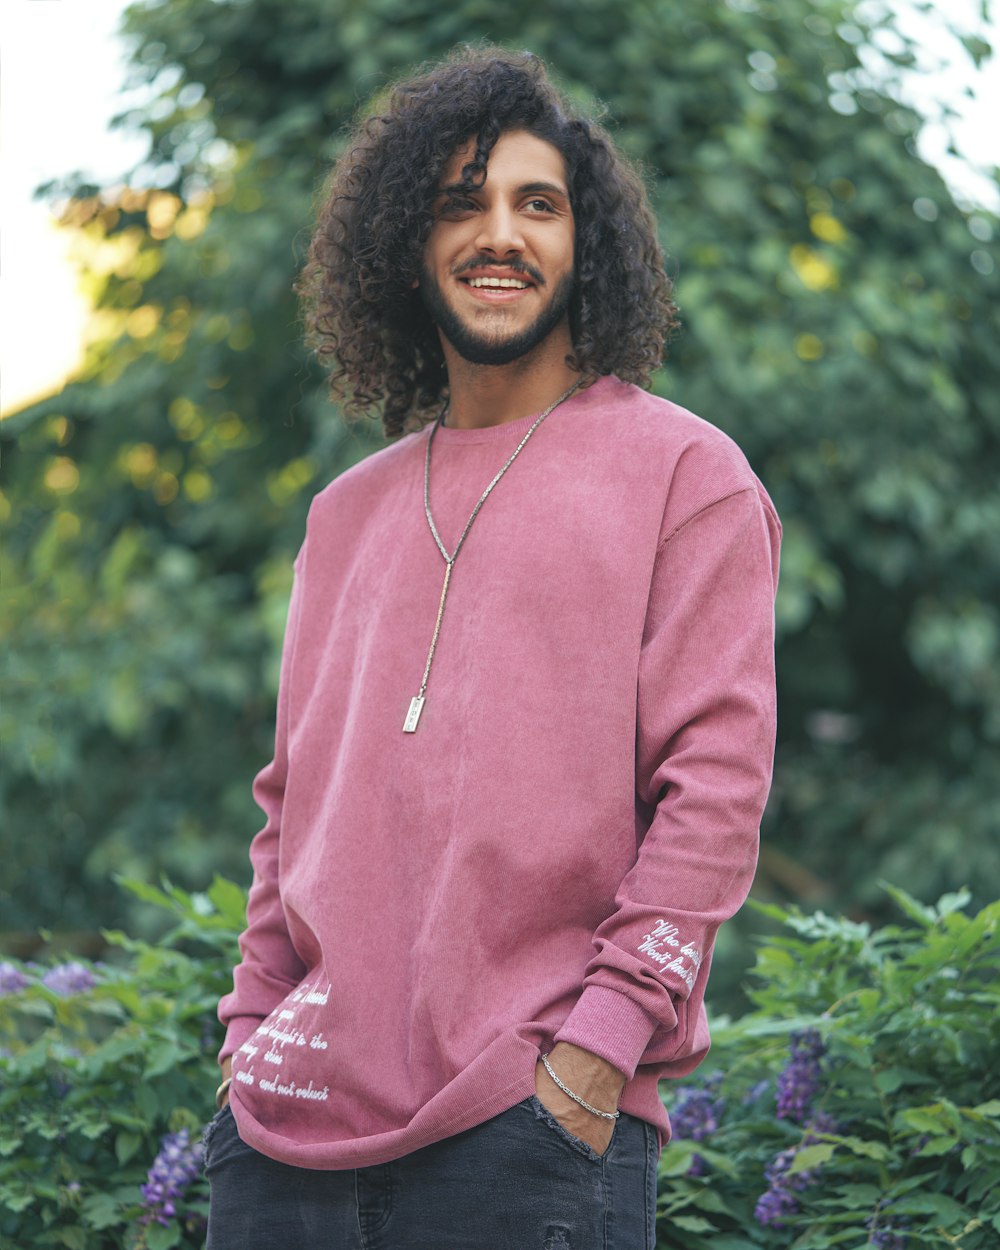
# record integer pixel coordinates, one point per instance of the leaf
(867, 1149)
(148, 893)
(101, 1210)
(74, 1238)
(19, 1202)
(160, 1237)
(727, 1242)
(718, 1161)
(892, 1079)
(764, 1027)
(939, 1205)
(710, 1200)
(922, 1119)
(809, 1157)
(906, 903)
(771, 910)
(676, 1159)
(126, 1145)
(859, 1195)
(953, 902)
(230, 900)
(693, 1224)
(160, 1058)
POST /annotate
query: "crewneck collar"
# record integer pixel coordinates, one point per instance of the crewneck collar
(510, 431)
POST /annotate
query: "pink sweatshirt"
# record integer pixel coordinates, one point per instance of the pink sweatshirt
(548, 857)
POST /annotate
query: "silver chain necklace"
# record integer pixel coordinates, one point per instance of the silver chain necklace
(418, 700)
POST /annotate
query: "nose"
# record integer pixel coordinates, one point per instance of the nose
(499, 232)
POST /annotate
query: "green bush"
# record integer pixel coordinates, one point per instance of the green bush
(101, 1063)
(841, 315)
(857, 1105)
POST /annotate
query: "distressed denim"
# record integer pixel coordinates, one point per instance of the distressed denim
(519, 1181)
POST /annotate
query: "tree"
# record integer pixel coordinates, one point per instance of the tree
(840, 321)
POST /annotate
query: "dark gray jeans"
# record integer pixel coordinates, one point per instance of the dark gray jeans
(519, 1181)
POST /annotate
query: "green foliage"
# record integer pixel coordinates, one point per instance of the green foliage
(903, 1130)
(902, 1135)
(841, 316)
(91, 1080)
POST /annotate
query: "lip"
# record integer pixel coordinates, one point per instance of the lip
(506, 295)
(495, 271)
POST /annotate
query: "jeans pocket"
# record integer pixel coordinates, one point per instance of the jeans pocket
(577, 1143)
(210, 1130)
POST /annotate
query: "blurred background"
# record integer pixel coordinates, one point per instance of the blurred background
(824, 177)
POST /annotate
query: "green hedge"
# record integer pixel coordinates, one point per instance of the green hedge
(101, 1064)
(857, 1104)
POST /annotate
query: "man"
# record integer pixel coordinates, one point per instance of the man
(526, 716)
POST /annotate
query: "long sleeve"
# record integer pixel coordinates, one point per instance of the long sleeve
(551, 854)
(704, 753)
(269, 965)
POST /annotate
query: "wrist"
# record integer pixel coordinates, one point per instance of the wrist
(579, 1075)
(572, 1095)
(587, 1069)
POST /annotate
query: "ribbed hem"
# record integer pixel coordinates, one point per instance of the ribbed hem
(610, 1025)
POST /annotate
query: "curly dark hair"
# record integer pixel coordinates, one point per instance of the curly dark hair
(362, 313)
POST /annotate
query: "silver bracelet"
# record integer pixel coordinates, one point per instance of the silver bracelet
(605, 1115)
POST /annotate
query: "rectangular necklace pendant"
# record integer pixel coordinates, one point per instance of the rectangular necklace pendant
(413, 715)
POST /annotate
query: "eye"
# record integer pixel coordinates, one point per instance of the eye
(455, 205)
(537, 205)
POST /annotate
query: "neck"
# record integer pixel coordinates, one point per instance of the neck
(485, 395)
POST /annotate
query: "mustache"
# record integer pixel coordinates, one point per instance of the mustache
(491, 262)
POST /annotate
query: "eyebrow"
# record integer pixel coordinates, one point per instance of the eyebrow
(548, 188)
(527, 188)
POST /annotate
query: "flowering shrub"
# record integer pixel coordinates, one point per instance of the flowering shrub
(71, 978)
(12, 979)
(107, 1075)
(858, 1105)
(174, 1170)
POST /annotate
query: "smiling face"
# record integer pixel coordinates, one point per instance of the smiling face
(497, 273)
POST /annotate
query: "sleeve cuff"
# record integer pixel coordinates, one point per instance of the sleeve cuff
(610, 1025)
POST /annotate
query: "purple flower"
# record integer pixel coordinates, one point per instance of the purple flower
(696, 1115)
(887, 1238)
(67, 979)
(773, 1206)
(173, 1170)
(779, 1201)
(12, 979)
(798, 1082)
(886, 1234)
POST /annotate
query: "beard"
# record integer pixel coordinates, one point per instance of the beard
(492, 348)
